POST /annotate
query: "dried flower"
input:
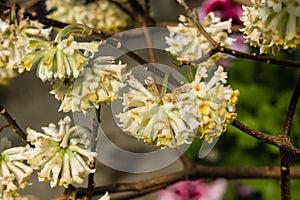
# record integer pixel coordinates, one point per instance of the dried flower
(63, 58)
(61, 153)
(272, 25)
(13, 170)
(188, 44)
(95, 85)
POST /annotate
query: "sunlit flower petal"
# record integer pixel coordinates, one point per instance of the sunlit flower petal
(63, 58)
(155, 118)
(272, 25)
(58, 160)
(215, 102)
(97, 84)
(13, 171)
(14, 34)
(187, 44)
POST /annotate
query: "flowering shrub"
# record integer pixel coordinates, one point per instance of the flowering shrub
(74, 52)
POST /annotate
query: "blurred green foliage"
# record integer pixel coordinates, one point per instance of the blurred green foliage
(265, 92)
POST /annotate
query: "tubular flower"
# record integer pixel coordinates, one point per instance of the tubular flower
(155, 118)
(61, 153)
(13, 171)
(95, 85)
(188, 44)
(63, 58)
(102, 15)
(214, 102)
(272, 25)
(14, 35)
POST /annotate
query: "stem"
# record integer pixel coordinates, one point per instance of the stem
(96, 124)
(196, 22)
(254, 56)
(280, 141)
(16, 128)
(291, 110)
(194, 173)
(285, 183)
(263, 137)
(124, 9)
(147, 12)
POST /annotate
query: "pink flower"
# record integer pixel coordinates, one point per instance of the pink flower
(195, 190)
(224, 9)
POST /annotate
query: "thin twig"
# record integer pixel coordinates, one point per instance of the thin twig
(139, 12)
(16, 128)
(147, 13)
(196, 22)
(280, 141)
(291, 110)
(195, 173)
(124, 9)
(254, 56)
(285, 179)
(140, 193)
(94, 140)
(285, 183)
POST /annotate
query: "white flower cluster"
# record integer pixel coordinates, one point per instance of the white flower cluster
(102, 15)
(213, 102)
(97, 84)
(272, 25)
(61, 153)
(200, 109)
(63, 58)
(188, 44)
(14, 36)
(153, 117)
(13, 170)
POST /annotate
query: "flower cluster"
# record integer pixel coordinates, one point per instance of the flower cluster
(188, 44)
(202, 108)
(272, 25)
(153, 117)
(97, 84)
(197, 190)
(13, 170)
(214, 102)
(62, 58)
(14, 36)
(102, 15)
(61, 153)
